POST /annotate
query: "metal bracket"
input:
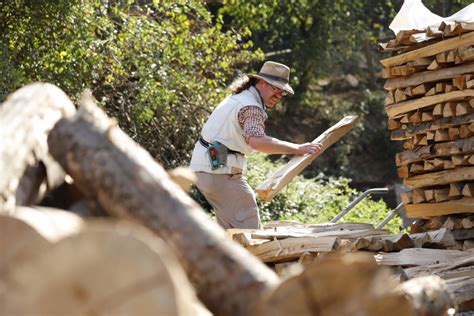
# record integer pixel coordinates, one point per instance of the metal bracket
(356, 201)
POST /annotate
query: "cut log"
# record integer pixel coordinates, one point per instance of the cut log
(453, 133)
(428, 76)
(441, 177)
(455, 189)
(468, 189)
(449, 109)
(464, 205)
(270, 187)
(127, 182)
(465, 53)
(439, 269)
(400, 108)
(430, 50)
(26, 118)
(105, 269)
(400, 95)
(393, 124)
(464, 131)
(338, 285)
(430, 294)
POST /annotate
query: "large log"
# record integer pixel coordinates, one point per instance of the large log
(26, 117)
(106, 269)
(338, 285)
(270, 187)
(111, 168)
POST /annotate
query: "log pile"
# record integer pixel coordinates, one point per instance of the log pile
(154, 250)
(430, 107)
(290, 246)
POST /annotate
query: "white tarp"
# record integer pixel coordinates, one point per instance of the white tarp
(413, 15)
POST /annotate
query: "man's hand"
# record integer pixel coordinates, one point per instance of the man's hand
(308, 148)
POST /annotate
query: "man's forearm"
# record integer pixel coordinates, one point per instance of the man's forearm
(272, 145)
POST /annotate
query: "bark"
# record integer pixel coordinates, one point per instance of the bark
(26, 117)
(108, 166)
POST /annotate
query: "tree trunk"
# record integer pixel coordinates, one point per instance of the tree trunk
(26, 117)
(109, 167)
(106, 269)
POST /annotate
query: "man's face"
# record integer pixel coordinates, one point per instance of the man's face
(271, 95)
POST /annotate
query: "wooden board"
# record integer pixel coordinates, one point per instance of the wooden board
(407, 106)
(431, 50)
(441, 177)
(272, 186)
(464, 205)
(428, 76)
(420, 256)
(291, 248)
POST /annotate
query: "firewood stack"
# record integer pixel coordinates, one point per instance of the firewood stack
(430, 107)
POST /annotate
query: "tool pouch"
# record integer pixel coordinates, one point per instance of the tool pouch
(217, 154)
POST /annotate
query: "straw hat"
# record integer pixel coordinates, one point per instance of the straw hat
(276, 74)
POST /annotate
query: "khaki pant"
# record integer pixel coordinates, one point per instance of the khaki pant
(232, 198)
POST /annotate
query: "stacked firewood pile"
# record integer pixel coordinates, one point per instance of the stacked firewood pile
(142, 246)
(289, 246)
(430, 107)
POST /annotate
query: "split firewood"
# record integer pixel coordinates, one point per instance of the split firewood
(95, 152)
(26, 118)
(463, 205)
(441, 177)
(468, 189)
(397, 109)
(430, 50)
(437, 73)
(270, 187)
(400, 95)
(449, 109)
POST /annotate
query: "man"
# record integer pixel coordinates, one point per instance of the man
(234, 129)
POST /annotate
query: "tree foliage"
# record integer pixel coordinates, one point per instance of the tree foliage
(158, 67)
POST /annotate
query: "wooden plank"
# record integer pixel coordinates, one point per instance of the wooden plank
(431, 50)
(318, 230)
(464, 205)
(440, 268)
(419, 256)
(270, 187)
(291, 248)
(441, 177)
(411, 105)
(428, 76)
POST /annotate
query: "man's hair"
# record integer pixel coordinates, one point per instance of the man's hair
(241, 83)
